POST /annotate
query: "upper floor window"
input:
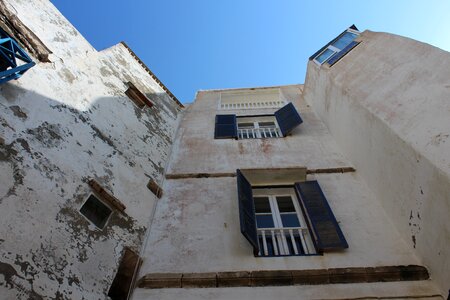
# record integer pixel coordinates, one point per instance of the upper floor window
(281, 123)
(337, 48)
(258, 127)
(137, 96)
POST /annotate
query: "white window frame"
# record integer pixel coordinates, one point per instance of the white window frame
(257, 131)
(332, 48)
(279, 233)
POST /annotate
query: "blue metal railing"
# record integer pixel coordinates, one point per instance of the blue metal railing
(14, 61)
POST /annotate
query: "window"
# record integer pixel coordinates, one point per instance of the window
(258, 127)
(96, 211)
(137, 96)
(282, 214)
(280, 223)
(281, 123)
(337, 48)
(124, 279)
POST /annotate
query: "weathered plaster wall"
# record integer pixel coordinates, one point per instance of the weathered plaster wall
(386, 104)
(196, 226)
(195, 149)
(196, 229)
(61, 123)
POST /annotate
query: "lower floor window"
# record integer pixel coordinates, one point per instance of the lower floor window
(280, 219)
(281, 226)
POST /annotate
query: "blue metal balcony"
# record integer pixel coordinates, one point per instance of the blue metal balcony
(14, 61)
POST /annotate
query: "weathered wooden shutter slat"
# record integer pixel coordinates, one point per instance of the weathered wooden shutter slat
(226, 127)
(288, 118)
(247, 216)
(326, 231)
(335, 58)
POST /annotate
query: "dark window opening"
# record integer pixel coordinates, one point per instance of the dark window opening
(124, 279)
(96, 211)
(137, 96)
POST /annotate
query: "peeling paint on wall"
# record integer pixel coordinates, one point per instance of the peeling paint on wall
(61, 124)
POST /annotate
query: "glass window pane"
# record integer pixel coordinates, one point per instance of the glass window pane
(290, 220)
(344, 40)
(285, 204)
(266, 124)
(262, 205)
(246, 125)
(264, 221)
(324, 55)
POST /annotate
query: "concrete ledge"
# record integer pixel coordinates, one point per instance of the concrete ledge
(199, 175)
(284, 277)
(308, 277)
(272, 278)
(232, 279)
(233, 174)
(160, 280)
(199, 280)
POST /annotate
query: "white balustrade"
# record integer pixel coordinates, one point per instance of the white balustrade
(283, 241)
(257, 133)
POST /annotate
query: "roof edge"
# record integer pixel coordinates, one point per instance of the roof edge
(171, 95)
(252, 88)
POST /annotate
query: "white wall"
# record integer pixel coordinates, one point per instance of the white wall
(196, 226)
(61, 123)
(386, 104)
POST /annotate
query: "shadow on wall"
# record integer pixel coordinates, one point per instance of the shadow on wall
(48, 150)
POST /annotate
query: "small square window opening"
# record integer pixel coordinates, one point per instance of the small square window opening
(96, 211)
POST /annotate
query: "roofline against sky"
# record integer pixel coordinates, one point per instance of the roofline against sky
(171, 95)
(251, 88)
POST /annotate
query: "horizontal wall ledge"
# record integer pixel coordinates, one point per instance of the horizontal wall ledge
(233, 174)
(199, 175)
(283, 277)
(331, 170)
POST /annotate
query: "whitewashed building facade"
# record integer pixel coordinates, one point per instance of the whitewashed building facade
(337, 188)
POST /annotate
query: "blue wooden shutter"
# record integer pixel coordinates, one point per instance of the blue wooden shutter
(288, 118)
(226, 127)
(247, 216)
(341, 53)
(326, 232)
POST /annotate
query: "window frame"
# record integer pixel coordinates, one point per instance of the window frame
(321, 222)
(285, 119)
(330, 46)
(272, 193)
(256, 129)
(102, 202)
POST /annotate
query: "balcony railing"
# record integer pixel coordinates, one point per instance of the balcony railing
(14, 61)
(284, 241)
(258, 133)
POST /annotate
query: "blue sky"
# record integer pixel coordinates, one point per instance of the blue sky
(208, 44)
